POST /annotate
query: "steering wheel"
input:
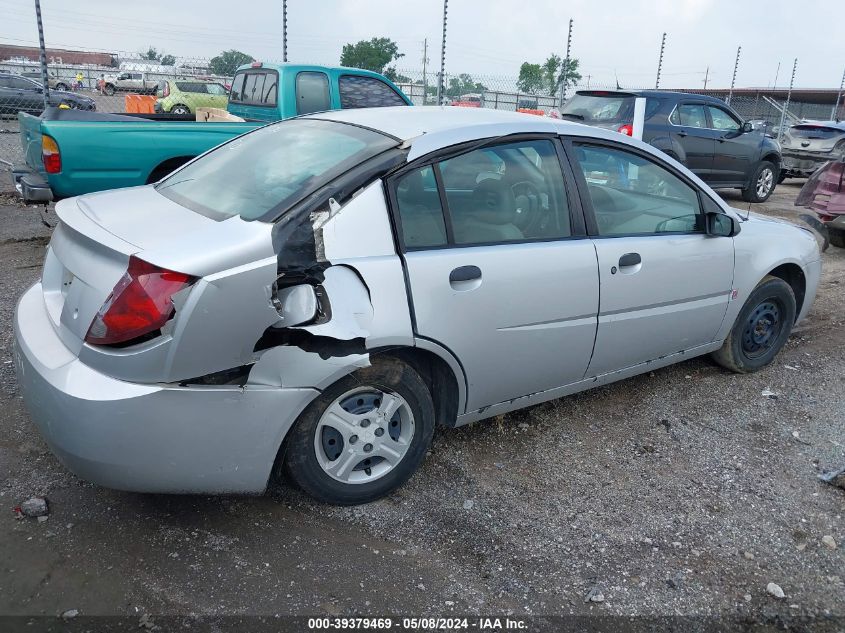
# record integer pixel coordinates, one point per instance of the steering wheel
(528, 205)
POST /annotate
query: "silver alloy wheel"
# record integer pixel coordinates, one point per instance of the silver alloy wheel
(363, 435)
(180, 110)
(765, 182)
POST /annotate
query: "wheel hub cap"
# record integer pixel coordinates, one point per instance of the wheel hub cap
(764, 182)
(761, 329)
(363, 435)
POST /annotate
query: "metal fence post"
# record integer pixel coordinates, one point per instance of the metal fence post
(565, 65)
(43, 55)
(660, 61)
(733, 79)
(284, 30)
(788, 97)
(834, 115)
(442, 55)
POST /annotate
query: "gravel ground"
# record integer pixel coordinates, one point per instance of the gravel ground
(680, 492)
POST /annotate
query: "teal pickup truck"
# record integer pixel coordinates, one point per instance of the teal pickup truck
(70, 152)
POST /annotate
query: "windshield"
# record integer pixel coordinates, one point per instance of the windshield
(267, 171)
(600, 109)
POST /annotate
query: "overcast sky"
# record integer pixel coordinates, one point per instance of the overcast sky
(485, 37)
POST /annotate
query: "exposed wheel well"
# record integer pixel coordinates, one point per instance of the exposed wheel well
(773, 158)
(794, 276)
(164, 168)
(439, 378)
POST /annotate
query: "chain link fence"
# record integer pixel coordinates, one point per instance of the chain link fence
(125, 84)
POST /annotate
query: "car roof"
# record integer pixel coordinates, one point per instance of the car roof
(659, 94)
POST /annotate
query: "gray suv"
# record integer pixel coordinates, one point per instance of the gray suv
(701, 132)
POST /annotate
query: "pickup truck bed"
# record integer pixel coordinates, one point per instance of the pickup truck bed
(111, 150)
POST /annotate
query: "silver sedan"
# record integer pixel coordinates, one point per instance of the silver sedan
(314, 297)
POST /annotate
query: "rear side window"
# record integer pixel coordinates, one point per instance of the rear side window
(419, 209)
(190, 86)
(255, 87)
(689, 115)
(597, 108)
(312, 92)
(366, 92)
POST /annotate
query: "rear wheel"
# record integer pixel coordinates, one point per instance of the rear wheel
(762, 183)
(180, 109)
(364, 436)
(761, 328)
(837, 236)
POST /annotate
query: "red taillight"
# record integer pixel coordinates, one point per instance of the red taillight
(165, 92)
(627, 130)
(141, 302)
(50, 154)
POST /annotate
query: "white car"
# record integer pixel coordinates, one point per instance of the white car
(318, 294)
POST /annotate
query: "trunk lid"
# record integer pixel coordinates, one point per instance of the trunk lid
(813, 138)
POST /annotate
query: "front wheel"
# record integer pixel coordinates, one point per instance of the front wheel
(760, 329)
(762, 183)
(61, 86)
(837, 236)
(364, 436)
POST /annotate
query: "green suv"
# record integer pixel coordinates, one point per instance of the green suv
(184, 97)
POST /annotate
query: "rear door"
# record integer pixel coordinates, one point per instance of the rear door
(499, 269)
(357, 91)
(736, 152)
(689, 128)
(665, 284)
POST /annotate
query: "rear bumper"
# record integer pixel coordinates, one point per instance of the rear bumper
(803, 163)
(147, 437)
(31, 185)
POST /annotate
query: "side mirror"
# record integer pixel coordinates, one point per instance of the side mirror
(747, 127)
(721, 225)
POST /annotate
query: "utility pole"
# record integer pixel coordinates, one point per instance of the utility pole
(425, 73)
(441, 77)
(565, 65)
(706, 76)
(788, 98)
(660, 61)
(733, 79)
(835, 112)
(284, 30)
(43, 55)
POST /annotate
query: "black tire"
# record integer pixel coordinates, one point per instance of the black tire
(766, 172)
(386, 374)
(781, 177)
(61, 86)
(751, 346)
(180, 109)
(837, 237)
(108, 90)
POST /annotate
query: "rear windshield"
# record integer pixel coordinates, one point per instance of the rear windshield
(267, 171)
(600, 109)
(815, 131)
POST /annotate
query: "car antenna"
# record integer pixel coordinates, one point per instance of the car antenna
(618, 87)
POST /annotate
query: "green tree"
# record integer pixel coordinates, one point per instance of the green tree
(571, 76)
(226, 63)
(167, 60)
(152, 54)
(530, 78)
(463, 84)
(374, 54)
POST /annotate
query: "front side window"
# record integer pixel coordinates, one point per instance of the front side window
(366, 92)
(722, 120)
(689, 115)
(263, 173)
(215, 89)
(632, 195)
(312, 92)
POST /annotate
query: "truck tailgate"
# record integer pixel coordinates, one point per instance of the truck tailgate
(31, 140)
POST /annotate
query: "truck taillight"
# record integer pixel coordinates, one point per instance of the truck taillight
(627, 130)
(50, 154)
(141, 303)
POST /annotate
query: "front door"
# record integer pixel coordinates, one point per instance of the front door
(497, 273)
(735, 151)
(665, 284)
(689, 130)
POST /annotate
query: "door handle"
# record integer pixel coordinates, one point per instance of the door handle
(630, 259)
(682, 133)
(464, 273)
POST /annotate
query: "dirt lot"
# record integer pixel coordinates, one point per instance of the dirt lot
(680, 492)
